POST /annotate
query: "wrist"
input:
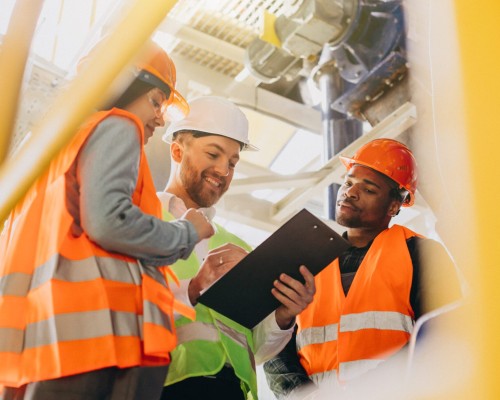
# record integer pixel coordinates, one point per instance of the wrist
(193, 292)
(283, 319)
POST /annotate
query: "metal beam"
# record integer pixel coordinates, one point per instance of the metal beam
(261, 100)
(275, 181)
(246, 209)
(202, 40)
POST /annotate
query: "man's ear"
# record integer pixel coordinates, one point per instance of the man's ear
(176, 151)
(394, 208)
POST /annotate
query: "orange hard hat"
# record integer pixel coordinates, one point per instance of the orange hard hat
(392, 159)
(157, 68)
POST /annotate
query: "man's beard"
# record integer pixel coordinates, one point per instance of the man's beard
(195, 186)
(348, 222)
(353, 221)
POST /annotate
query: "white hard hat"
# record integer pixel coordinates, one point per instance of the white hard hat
(216, 116)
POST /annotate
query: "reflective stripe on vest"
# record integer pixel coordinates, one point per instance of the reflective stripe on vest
(197, 331)
(352, 369)
(376, 320)
(64, 269)
(72, 326)
(321, 377)
(355, 322)
(236, 336)
(202, 331)
(314, 335)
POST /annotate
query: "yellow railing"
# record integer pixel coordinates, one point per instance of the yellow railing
(479, 36)
(13, 55)
(76, 102)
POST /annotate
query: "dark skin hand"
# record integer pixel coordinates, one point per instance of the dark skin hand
(293, 295)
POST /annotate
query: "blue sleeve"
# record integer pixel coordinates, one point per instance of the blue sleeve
(107, 170)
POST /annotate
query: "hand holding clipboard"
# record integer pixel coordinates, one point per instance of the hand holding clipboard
(244, 293)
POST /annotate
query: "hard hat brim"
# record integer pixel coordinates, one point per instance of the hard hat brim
(168, 138)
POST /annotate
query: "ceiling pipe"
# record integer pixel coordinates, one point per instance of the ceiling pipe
(338, 129)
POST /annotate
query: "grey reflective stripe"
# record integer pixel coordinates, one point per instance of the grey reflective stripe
(385, 320)
(64, 269)
(11, 340)
(197, 331)
(153, 314)
(237, 337)
(317, 334)
(320, 377)
(203, 331)
(82, 325)
(352, 369)
(152, 272)
(15, 284)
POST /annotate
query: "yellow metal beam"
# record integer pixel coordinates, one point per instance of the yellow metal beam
(13, 56)
(78, 101)
(479, 33)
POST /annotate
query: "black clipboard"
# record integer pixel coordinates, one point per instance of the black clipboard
(244, 293)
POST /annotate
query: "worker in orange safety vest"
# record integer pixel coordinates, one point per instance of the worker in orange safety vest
(85, 310)
(369, 298)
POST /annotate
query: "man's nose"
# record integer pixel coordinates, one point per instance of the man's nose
(351, 191)
(222, 168)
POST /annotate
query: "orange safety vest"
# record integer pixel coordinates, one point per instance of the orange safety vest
(68, 306)
(346, 336)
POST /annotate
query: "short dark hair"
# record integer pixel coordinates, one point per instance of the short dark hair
(398, 194)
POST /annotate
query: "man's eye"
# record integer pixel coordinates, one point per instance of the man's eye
(212, 155)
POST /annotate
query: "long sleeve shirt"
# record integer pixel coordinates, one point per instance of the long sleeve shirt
(269, 339)
(99, 188)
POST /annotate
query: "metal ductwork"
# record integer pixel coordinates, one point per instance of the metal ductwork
(299, 37)
(357, 49)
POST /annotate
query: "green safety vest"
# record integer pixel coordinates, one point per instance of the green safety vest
(212, 340)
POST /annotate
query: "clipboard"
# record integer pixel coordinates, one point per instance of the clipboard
(244, 293)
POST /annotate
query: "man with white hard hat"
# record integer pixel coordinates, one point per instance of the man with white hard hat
(215, 356)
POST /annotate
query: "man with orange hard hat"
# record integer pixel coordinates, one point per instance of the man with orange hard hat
(85, 310)
(367, 300)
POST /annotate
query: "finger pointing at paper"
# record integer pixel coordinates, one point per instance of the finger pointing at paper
(293, 295)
